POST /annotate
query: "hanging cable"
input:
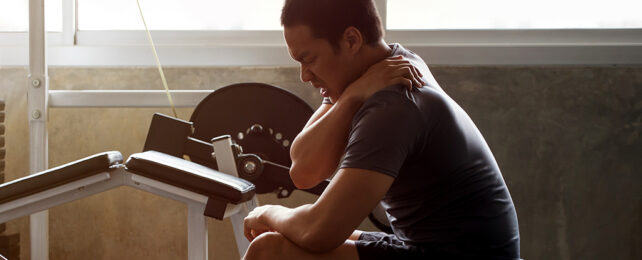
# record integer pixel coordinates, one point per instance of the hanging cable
(160, 69)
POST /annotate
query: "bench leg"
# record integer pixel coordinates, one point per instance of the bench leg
(196, 232)
(237, 224)
(39, 232)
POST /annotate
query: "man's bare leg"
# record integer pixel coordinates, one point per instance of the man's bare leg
(272, 245)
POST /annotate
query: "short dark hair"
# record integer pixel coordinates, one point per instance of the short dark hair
(328, 19)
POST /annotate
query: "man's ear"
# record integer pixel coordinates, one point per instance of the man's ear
(352, 39)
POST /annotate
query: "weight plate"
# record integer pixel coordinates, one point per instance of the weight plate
(234, 109)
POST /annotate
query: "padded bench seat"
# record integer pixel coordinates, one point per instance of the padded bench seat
(60, 175)
(220, 188)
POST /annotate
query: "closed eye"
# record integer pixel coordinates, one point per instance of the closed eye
(308, 61)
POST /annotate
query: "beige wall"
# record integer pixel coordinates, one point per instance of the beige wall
(566, 138)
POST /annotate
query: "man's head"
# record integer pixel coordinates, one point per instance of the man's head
(332, 40)
(328, 19)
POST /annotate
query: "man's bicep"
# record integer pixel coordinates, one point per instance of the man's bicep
(350, 197)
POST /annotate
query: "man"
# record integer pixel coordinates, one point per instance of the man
(412, 148)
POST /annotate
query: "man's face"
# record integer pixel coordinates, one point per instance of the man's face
(325, 69)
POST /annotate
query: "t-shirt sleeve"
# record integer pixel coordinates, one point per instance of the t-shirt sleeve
(383, 135)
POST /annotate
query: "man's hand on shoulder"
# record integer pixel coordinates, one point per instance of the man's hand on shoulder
(391, 71)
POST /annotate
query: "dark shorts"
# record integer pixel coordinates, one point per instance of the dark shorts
(379, 245)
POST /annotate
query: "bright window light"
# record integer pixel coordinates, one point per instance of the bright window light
(14, 15)
(180, 14)
(513, 14)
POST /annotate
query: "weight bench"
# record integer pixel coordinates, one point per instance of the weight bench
(206, 192)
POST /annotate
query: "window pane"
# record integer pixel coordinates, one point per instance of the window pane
(180, 14)
(513, 14)
(14, 15)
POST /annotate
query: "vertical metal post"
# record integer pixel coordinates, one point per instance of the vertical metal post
(224, 155)
(68, 22)
(237, 225)
(227, 164)
(196, 232)
(38, 85)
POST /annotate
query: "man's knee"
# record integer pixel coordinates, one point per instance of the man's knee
(265, 246)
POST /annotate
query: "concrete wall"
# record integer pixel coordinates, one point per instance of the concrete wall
(566, 138)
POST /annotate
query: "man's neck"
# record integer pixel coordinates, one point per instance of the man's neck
(368, 56)
(374, 53)
(377, 53)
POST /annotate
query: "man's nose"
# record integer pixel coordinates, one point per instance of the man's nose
(306, 75)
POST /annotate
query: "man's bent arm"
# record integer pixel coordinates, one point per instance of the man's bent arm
(320, 112)
(327, 223)
(316, 151)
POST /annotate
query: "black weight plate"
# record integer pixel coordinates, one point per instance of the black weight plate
(234, 109)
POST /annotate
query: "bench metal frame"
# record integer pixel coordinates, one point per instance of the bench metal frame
(119, 176)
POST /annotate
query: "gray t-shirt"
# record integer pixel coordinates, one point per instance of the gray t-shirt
(448, 191)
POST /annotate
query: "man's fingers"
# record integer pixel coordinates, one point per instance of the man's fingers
(419, 76)
(248, 234)
(400, 61)
(401, 81)
(408, 73)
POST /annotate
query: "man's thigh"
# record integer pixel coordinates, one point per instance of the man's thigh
(272, 245)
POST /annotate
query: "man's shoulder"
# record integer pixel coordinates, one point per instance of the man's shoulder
(392, 105)
(399, 97)
(390, 99)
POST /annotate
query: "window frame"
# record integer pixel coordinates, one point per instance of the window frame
(267, 48)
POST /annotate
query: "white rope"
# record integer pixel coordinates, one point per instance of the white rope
(160, 68)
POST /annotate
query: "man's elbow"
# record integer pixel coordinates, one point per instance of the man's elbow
(303, 180)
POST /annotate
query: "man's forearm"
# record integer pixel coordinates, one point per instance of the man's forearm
(316, 151)
(302, 226)
(320, 112)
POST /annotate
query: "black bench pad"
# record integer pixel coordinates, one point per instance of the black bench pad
(191, 176)
(59, 175)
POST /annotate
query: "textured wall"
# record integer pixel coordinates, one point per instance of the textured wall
(566, 138)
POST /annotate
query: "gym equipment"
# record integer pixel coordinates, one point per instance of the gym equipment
(235, 145)
(263, 121)
(267, 129)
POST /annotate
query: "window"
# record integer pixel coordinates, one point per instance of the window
(14, 15)
(180, 14)
(513, 14)
(248, 32)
